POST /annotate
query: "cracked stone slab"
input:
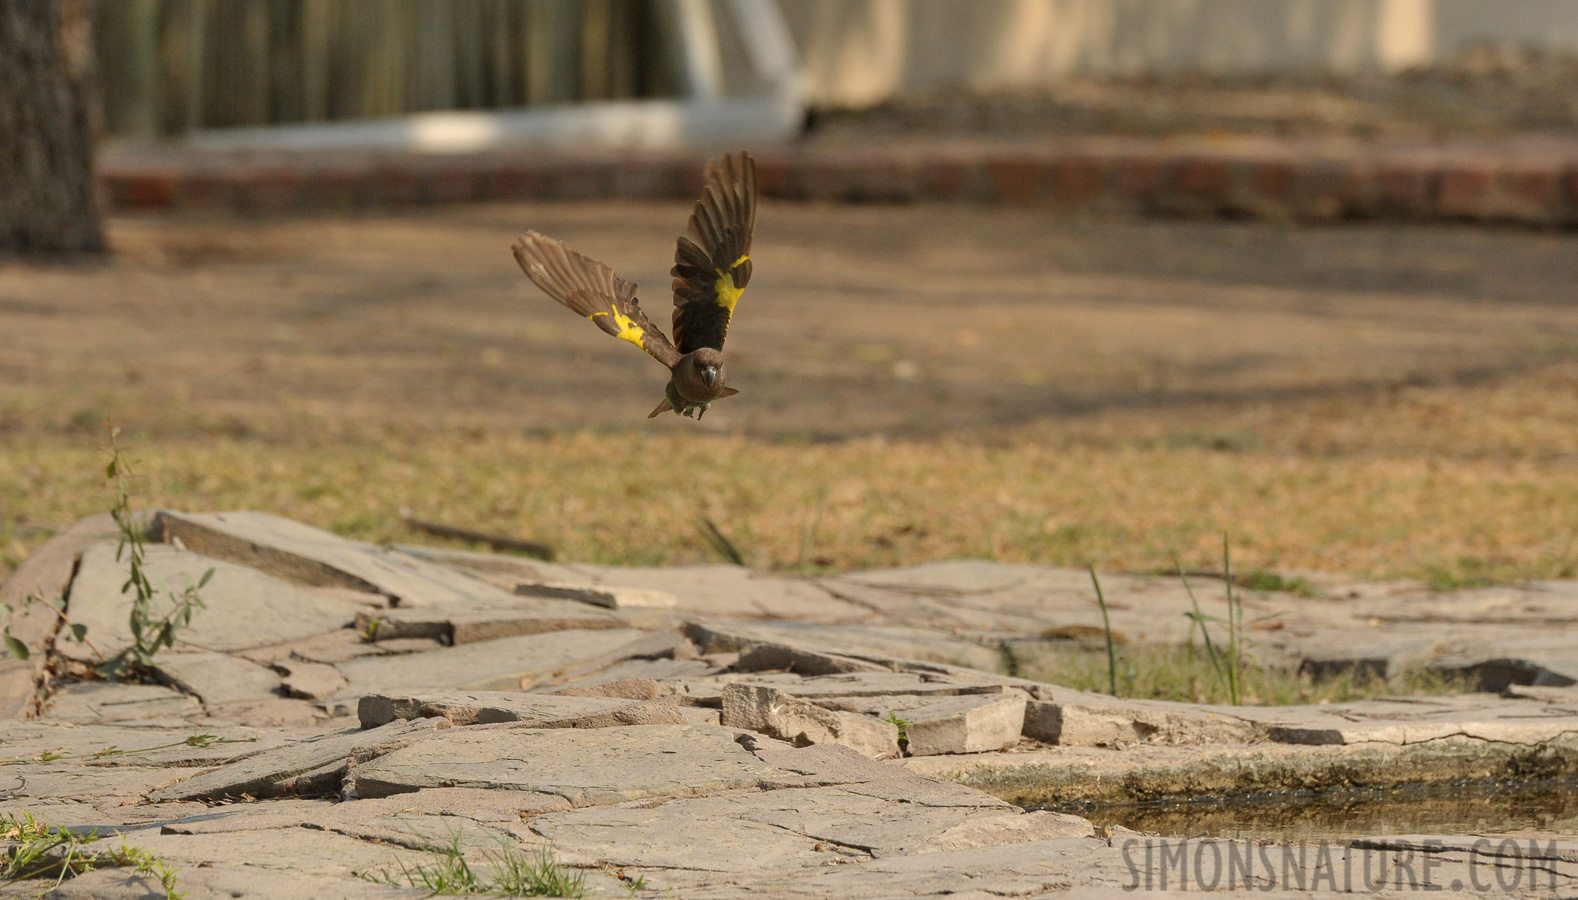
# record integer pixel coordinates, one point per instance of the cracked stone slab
(734, 591)
(765, 709)
(231, 598)
(822, 765)
(965, 724)
(488, 665)
(482, 707)
(87, 743)
(883, 684)
(623, 689)
(233, 882)
(456, 624)
(1079, 718)
(308, 680)
(109, 703)
(587, 767)
(799, 828)
(300, 553)
(311, 766)
(45, 574)
(337, 647)
(217, 678)
(1509, 723)
(299, 851)
(606, 597)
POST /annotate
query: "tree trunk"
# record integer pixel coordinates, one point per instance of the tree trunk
(48, 195)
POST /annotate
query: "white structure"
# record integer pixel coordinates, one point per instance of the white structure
(771, 107)
(859, 52)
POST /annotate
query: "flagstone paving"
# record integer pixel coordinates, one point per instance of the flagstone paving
(715, 732)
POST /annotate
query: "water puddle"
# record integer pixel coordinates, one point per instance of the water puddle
(1543, 808)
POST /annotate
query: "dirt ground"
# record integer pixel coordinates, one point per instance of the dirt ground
(862, 320)
(917, 383)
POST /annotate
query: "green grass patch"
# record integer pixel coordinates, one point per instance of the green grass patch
(505, 872)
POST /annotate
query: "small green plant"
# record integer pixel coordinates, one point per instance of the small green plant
(37, 851)
(1235, 629)
(903, 725)
(507, 872)
(370, 632)
(633, 885)
(150, 633)
(1106, 628)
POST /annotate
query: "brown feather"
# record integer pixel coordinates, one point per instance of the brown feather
(713, 255)
(592, 290)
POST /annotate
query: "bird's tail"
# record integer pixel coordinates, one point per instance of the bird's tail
(663, 407)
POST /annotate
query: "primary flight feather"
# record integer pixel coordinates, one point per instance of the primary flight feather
(712, 265)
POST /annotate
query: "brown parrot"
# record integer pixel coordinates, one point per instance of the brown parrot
(712, 265)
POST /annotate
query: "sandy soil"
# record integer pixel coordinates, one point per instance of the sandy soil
(860, 320)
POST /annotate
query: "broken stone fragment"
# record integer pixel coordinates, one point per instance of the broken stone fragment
(604, 596)
(1078, 718)
(765, 709)
(457, 624)
(487, 665)
(308, 767)
(587, 767)
(232, 596)
(769, 657)
(480, 707)
(300, 553)
(626, 689)
(965, 724)
(217, 678)
(308, 680)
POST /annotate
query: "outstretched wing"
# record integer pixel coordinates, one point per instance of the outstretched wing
(593, 290)
(712, 263)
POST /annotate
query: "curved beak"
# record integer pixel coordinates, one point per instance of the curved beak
(709, 374)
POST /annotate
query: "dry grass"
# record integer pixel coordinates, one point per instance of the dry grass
(1452, 484)
(1384, 401)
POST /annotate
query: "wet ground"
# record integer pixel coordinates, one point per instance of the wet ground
(1548, 809)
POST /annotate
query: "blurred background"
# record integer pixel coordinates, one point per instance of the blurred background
(1059, 281)
(172, 66)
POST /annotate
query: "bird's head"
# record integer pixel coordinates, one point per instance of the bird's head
(707, 366)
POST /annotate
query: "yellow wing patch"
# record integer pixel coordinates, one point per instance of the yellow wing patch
(627, 329)
(728, 294)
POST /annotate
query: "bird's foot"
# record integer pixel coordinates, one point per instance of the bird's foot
(695, 410)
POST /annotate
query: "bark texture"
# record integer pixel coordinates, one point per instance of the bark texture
(48, 194)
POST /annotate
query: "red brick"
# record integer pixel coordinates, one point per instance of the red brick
(1078, 179)
(1332, 189)
(1203, 183)
(950, 177)
(275, 188)
(1271, 179)
(886, 178)
(452, 180)
(394, 182)
(1016, 179)
(1140, 179)
(1402, 188)
(772, 176)
(1537, 185)
(516, 180)
(1466, 189)
(143, 189)
(335, 187)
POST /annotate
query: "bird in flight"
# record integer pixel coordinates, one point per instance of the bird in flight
(712, 265)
